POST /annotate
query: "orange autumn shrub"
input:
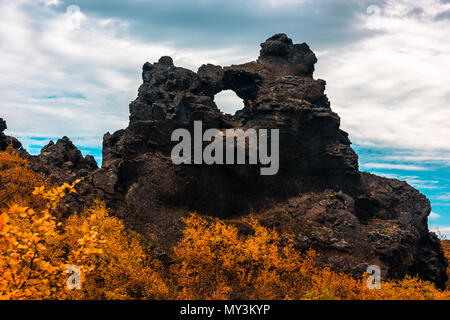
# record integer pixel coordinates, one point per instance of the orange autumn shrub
(29, 265)
(35, 253)
(17, 181)
(123, 269)
(211, 261)
(215, 262)
(408, 289)
(24, 271)
(36, 249)
(446, 248)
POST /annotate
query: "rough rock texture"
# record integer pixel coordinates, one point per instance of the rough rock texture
(278, 92)
(5, 140)
(352, 218)
(62, 162)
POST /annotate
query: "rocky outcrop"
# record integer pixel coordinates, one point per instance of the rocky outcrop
(5, 140)
(278, 92)
(62, 162)
(385, 225)
(354, 219)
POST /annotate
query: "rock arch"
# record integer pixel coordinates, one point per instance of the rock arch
(318, 194)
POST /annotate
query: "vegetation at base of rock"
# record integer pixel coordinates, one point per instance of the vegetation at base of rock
(212, 260)
(446, 248)
(350, 217)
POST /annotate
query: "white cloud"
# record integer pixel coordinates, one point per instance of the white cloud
(393, 166)
(389, 89)
(48, 3)
(442, 231)
(434, 215)
(413, 181)
(41, 56)
(278, 3)
(444, 197)
(52, 2)
(430, 157)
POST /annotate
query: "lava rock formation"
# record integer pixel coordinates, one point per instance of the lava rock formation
(354, 219)
(5, 140)
(62, 162)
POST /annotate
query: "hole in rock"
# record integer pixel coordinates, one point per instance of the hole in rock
(228, 102)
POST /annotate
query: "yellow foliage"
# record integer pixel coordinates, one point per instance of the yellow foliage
(211, 261)
(17, 181)
(214, 262)
(446, 247)
(119, 268)
(36, 250)
(408, 289)
(29, 267)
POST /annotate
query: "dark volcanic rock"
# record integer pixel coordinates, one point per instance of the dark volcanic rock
(62, 162)
(278, 92)
(353, 219)
(5, 140)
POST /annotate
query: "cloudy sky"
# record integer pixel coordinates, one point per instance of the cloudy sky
(72, 67)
